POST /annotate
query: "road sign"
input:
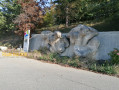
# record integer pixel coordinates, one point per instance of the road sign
(26, 40)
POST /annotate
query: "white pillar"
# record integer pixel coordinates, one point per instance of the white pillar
(26, 41)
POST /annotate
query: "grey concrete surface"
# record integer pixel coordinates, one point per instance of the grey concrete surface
(108, 41)
(18, 73)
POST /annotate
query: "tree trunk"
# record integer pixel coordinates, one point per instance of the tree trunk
(67, 16)
(51, 2)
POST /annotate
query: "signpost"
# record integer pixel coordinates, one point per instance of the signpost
(26, 41)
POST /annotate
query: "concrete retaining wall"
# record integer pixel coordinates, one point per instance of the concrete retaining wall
(108, 41)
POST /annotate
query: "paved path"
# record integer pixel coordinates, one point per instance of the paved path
(19, 73)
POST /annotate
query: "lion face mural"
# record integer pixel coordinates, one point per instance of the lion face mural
(80, 41)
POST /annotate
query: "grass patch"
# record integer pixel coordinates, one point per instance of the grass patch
(103, 68)
(76, 62)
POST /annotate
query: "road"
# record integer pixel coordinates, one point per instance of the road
(18, 73)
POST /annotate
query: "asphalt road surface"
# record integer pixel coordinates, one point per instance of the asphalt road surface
(18, 73)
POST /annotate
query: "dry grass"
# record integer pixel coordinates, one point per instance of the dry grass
(65, 29)
(107, 24)
(10, 41)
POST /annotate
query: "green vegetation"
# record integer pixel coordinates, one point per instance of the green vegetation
(104, 67)
(114, 56)
(103, 15)
(8, 11)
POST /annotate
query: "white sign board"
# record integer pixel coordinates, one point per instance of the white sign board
(26, 40)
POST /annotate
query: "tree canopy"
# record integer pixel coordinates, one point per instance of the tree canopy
(21, 15)
(31, 15)
(8, 11)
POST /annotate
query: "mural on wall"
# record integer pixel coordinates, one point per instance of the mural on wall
(80, 41)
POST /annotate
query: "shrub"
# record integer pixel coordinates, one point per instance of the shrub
(74, 63)
(103, 68)
(114, 56)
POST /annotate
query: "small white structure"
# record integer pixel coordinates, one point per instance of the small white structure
(26, 40)
(3, 48)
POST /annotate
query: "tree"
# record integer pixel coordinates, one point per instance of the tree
(49, 17)
(64, 9)
(30, 17)
(2, 21)
(8, 11)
